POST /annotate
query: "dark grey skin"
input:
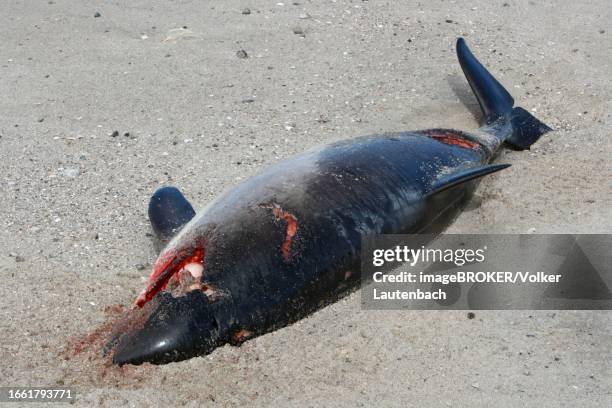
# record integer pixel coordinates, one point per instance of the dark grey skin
(287, 242)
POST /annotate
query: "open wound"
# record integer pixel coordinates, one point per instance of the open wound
(172, 271)
(291, 228)
(450, 138)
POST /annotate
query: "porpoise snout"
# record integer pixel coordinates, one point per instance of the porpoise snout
(177, 328)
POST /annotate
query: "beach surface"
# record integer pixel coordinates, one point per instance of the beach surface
(103, 102)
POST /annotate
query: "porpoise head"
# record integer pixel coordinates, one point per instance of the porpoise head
(176, 316)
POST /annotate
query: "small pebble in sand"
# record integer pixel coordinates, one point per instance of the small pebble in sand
(298, 31)
(179, 34)
(246, 11)
(97, 14)
(71, 172)
(242, 54)
(140, 267)
(115, 133)
(471, 315)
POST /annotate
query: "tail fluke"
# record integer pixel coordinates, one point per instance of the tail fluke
(497, 104)
(493, 98)
(526, 129)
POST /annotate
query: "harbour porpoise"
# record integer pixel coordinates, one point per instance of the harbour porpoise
(286, 242)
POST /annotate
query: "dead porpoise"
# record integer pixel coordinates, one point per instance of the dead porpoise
(286, 242)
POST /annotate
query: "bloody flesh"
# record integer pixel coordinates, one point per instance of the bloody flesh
(166, 269)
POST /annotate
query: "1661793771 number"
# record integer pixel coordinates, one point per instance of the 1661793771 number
(14, 394)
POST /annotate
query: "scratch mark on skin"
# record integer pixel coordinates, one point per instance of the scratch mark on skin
(241, 336)
(212, 293)
(292, 228)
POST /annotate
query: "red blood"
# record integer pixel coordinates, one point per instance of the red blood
(451, 138)
(123, 321)
(292, 227)
(166, 269)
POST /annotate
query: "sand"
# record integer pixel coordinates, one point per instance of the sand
(96, 112)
